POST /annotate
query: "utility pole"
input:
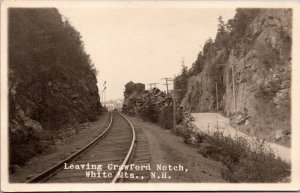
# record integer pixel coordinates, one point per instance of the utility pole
(104, 93)
(217, 97)
(174, 96)
(155, 85)
(167, 83)
(217, 94)
(151, 84)
(233, 86)
(174, 105)
(101, 97)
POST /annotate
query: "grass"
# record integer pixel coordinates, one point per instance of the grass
(244, 163)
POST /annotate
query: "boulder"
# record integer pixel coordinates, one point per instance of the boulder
(34, 126)
(152, 104)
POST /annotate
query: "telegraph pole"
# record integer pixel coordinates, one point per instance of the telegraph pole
(151, 84)
(101, 97)
(217, 93)
(104, 93)
(217, 97)
(174, 96)
(174, 105)
(233, 86)
(167, 83)
(155, 84)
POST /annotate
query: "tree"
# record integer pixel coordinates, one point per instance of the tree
(45, 49)
(198, 65)
(221, 25)
(184, 70)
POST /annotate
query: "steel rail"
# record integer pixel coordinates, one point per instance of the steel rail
(129, 153)
(48, 173)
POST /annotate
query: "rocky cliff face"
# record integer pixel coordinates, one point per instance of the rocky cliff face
(251, 79)
(151, 105)
(51, 81)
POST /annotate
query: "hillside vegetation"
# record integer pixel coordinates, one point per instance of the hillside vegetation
(52, 81)
(249, 63)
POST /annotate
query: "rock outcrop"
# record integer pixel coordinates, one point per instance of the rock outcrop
(250, 79)
(51, 80)
(151, 105)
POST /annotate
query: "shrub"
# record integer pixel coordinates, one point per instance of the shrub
(226, 149)
(188, 135)
(183, 131)
(245, 163)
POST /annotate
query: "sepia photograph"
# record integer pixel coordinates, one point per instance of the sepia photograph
(134, 95)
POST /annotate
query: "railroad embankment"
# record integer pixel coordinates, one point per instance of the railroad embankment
(68, 142)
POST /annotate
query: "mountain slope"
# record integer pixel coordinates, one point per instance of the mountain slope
(52, 82)
(246, 72)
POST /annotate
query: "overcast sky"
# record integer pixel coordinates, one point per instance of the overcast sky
(142, 45)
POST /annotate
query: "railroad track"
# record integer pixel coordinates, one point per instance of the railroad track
(118, 145)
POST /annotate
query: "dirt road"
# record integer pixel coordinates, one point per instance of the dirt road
(212, 122)
(169, 149)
